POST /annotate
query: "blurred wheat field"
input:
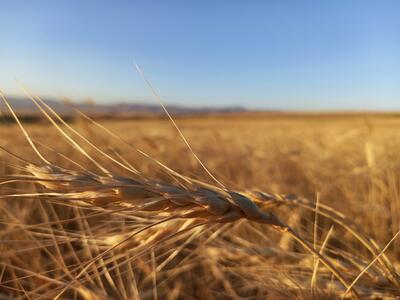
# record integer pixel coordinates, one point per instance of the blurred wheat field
(349, 163)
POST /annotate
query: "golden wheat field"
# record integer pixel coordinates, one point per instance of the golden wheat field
(301, 206)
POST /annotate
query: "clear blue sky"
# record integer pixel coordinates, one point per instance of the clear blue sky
(261, 54)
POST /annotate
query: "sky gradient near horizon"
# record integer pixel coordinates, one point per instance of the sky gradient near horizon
(258, 54)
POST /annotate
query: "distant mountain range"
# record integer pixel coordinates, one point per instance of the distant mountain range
(27, 107)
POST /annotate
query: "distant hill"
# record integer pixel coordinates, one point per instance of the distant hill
(27, 107)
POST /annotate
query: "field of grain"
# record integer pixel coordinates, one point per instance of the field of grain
(333, 179)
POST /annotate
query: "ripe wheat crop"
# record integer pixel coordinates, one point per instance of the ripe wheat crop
(264, 207)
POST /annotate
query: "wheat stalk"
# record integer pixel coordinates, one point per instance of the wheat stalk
(191, 200)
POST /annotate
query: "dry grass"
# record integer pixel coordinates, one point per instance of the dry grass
(97, 219)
